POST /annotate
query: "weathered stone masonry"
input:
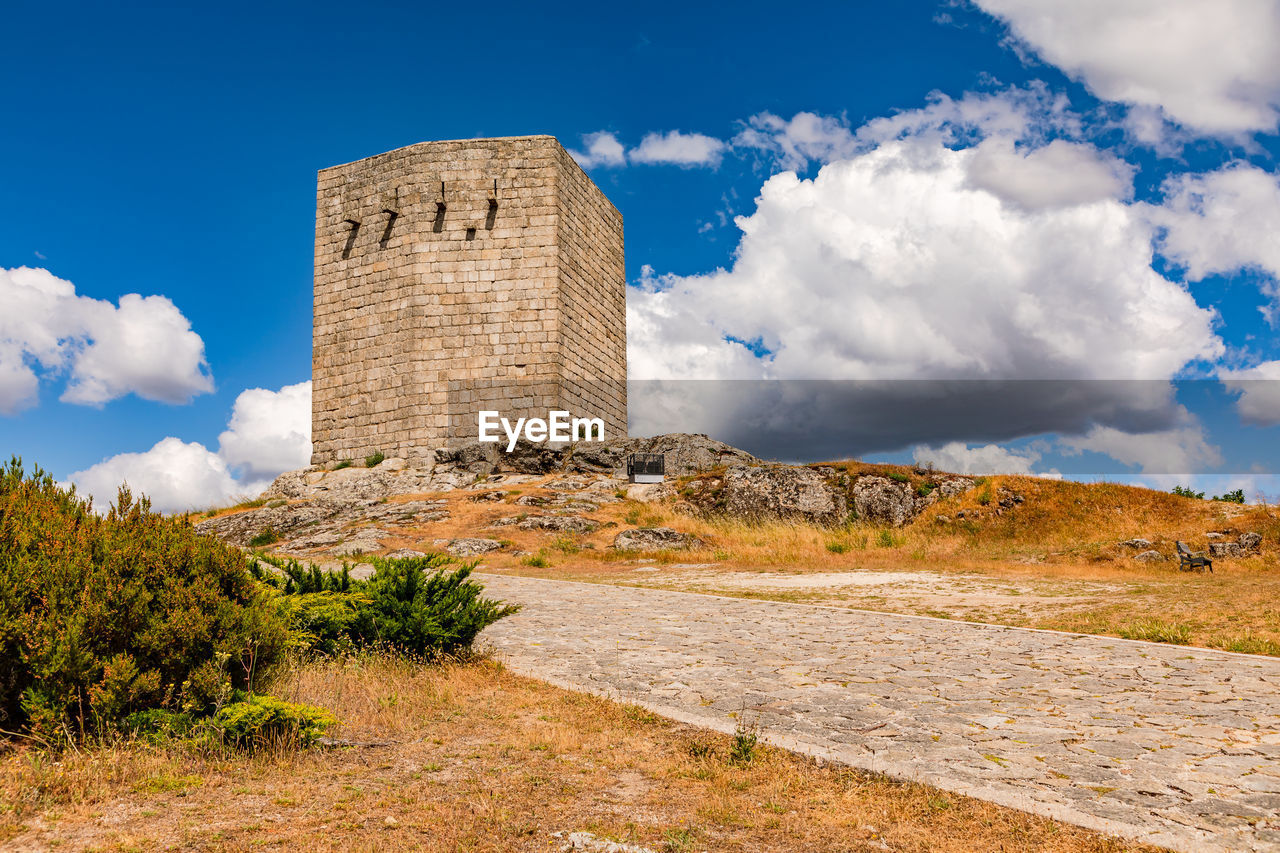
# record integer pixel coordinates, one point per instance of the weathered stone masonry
(457, 276)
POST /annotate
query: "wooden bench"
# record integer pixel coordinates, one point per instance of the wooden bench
(1189, 561)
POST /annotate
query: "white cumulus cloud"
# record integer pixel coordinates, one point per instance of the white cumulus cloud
(1059, 174)
(174, 474)
(678, 149)
(269, 433)
(893, 265)
(601, 149)
(960, 458)
(143, 345)
(1181, 449)
(1221, 221)
(1211, 65)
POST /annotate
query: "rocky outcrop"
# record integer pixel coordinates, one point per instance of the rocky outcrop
(472, 464)
(1244, 545)
(275, 523)
(1150, 556)
(781, 492)
(655, 539)
(687, 453)
(879, 500)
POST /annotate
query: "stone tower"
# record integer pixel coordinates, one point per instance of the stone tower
(454, 277)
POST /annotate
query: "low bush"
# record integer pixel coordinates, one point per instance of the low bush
(416, 605)
(102, 616)
(255, 722)
(373, 460)
(131, 621)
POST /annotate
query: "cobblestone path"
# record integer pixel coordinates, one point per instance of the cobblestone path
(1166, 744)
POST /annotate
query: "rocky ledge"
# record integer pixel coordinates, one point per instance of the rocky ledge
(323, 514)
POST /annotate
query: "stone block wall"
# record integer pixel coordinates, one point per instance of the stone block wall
(457, 276)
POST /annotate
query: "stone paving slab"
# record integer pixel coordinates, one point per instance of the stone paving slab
(1166, 744)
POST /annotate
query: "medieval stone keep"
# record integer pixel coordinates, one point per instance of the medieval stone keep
(455, 277)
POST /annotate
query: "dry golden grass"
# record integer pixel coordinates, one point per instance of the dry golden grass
(470, 757)
(1064, 534)
(1058, 550)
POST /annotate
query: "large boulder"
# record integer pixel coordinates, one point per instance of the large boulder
(472, 546)
(689, 453)
(655, 539)
(879, 500)
(558, 523)
(781, 492)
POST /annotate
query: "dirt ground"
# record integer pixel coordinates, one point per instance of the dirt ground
(472, 758)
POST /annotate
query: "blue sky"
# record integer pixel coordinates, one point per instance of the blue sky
(172, 153)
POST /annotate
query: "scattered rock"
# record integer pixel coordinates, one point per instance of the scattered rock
(404, 553)
(1008, 499)
(588, 842)
(472, 547)
(533, 500)
(568, 484)
(1149, 556)
(649, 492)
(1250, 541)
(655, 539)
(1225, 549)
(942, 519)
(492, 497)
(1136, 544)
(1213, 537)
(563, 523)
(949, 487)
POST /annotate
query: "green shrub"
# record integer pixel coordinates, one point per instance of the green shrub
(105, 616)
(742, 750)
(898, 477)
(566, 544)
(412, 605)
(985, 496)
(266, 537)
(262, 721)
(373, 460)
(1236, 497)
(537, 561)
(885, 539)
(345, 463)
(837, 547)
(1187, 492)
(925, 489)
